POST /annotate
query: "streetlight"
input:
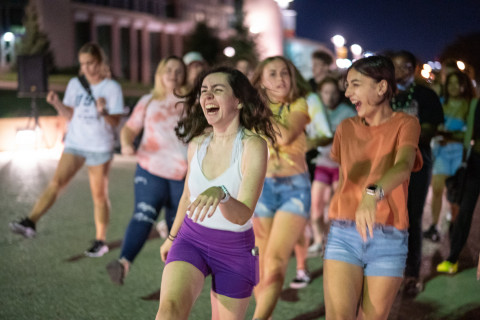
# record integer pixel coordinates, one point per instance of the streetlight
(7, 49)
(356, 51)
(229, 52)
(461, 65)
(338, 41)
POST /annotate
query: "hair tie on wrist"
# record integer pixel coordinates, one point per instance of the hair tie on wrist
(170, 237)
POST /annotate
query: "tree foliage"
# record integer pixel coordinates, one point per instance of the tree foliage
(34, 41)
(243, 41)
(465, 48)
(204, 40)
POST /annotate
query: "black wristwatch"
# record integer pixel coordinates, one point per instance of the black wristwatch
(376, 191)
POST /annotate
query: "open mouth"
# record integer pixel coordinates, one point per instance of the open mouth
(211, 109)
(357, 105)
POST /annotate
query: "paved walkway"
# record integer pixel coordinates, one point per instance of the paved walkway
(48, 277)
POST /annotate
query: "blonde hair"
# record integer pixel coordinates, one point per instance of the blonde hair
(99, 55)
(158, 91)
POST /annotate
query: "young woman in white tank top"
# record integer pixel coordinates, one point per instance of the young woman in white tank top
(212, 232)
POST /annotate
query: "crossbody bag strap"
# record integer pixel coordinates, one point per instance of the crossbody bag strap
(84, 82)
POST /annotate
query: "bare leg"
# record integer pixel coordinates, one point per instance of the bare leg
(228, 308)
(182, 283)
(284, 233)
(261, 228)
(301, 250)
(101, 203)
(67, 167)
(342, 286)
(320, 196)
(378, 296)
(438, 185)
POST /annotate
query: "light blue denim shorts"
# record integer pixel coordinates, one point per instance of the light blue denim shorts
(383, 255)
(290, 194)
(91, 158)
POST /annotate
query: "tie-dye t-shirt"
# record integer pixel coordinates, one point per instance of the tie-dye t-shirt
(160, 151)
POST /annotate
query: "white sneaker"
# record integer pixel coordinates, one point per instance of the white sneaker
(301, 280)
(98, 249)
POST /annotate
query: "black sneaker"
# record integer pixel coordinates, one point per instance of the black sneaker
(98, 249)
(301, 280)
(412, 287)
(25, 227)
(116, 271)
(432, 234)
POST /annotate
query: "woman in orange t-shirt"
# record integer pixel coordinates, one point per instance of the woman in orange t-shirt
(376, 150)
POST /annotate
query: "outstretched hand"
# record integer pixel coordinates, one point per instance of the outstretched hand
(365, 216)
(205, 204)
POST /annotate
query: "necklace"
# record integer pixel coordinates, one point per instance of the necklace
(398, 105)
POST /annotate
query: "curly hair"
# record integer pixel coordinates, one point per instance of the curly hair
(296, 91)
(255, 114)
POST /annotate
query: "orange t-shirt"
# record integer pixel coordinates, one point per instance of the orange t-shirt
(365, 154)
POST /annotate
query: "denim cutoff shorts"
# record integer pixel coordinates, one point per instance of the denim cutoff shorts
(91, 158)
(290, 194)
(383, 255)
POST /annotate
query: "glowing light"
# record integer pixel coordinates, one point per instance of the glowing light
(8, 36)
(425, 74)
(461, 65)
(356, 49)
(427, 68)
(258, 23)
(343, 63)
(438, 65)
(338, 40)
(283, 3)
(25, 137)
(229, 52)
(367, 54)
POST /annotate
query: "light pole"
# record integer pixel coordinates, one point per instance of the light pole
(7, 49)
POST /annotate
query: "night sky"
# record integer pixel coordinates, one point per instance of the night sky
(423, 27)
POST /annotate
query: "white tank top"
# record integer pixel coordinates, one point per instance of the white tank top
(230, 178)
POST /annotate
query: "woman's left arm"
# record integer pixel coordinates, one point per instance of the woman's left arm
(398, 173)
(237, 210)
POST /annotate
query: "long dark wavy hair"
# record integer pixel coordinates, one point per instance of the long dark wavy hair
(255, 115)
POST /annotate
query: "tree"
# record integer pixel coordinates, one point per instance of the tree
(34, 41)
(204, 40)
(243, 42)
(465, 48)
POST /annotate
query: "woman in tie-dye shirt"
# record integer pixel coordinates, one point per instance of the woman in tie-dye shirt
(162, 160)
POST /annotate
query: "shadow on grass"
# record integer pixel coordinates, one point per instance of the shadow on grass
(113, 245)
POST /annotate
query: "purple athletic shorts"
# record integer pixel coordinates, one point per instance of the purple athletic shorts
(229, 256)
(326, 175)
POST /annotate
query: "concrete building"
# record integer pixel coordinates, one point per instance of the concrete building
(135, 34)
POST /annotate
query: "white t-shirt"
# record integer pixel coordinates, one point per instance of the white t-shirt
(88, 130)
